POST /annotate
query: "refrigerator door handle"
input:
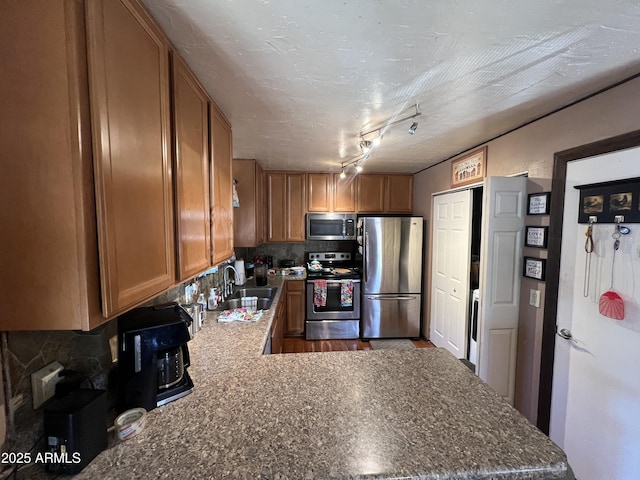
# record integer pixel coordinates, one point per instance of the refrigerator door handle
(390, 297)
(366, 257)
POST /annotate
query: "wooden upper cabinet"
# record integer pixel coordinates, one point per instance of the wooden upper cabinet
(129, 88)
(399, 194)
(249, 217)
(296, 206)
(344, 194)
(384, 193)
(47, 210)
(191, 171)
(276, 206)
(287, 205)
(370, 192)
(320, 192)
(221, 187)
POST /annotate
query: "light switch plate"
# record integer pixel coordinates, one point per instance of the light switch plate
(534, 298)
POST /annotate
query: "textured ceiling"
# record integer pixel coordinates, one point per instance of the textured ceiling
(299, 80)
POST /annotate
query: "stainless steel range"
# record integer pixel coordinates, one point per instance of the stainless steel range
(333, 297)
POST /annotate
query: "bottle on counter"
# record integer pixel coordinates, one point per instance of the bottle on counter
(212, 302)
(202, 301)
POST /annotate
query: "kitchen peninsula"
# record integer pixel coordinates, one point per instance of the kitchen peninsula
(366, 414)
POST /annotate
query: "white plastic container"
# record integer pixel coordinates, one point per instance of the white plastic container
(212, 301)
(239, 266)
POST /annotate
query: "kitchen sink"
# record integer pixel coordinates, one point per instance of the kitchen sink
(265, 297)
(260, 292)
(230, 304)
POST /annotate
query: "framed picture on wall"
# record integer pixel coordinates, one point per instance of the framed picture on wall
(539, 203)
(536, 237)
(470, 168)
(604, 202)
(534, 268)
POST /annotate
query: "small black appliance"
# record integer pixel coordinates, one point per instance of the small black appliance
(75, 430)
(153, 356)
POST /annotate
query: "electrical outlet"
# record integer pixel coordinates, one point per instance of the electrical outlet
(43, 383)
(534, 298)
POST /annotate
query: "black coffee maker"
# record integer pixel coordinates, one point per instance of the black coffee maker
(153, 356)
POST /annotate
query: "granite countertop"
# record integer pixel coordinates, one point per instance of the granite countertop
(367, 414)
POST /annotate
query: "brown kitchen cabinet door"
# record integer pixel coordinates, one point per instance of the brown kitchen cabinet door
(295, 307)
(276, 206)
(399, 194)
(47, 199)
(129, 86)
(221, 187)
(370, 193)
(320, 192)
(278, 325)
(344, 194)
(249, 217)
(191, 170)
(296, 206)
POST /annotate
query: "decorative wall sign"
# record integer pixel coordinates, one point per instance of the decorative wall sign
(536, 237)
(539, 203)
(469, 169)
(534, 268)
(606, 200)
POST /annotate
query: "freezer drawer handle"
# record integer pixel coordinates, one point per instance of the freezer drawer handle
(394, 297)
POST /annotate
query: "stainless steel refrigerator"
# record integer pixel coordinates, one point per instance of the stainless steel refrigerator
(391, 249)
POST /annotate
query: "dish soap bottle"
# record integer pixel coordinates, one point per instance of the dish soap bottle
(212, 301)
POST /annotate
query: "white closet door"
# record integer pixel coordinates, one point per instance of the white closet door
(503, 214)
(451, 253)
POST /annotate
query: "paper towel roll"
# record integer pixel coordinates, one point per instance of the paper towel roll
(239, 266)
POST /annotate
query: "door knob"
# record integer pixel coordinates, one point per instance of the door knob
(565, 333)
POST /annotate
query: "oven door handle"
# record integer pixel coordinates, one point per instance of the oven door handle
(335, 282)
(391, 297)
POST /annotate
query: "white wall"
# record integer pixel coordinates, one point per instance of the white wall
(531, 148)
(596, 386)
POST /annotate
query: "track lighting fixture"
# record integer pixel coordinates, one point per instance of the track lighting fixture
(367, 143)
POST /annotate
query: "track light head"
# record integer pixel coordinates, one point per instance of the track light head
(365, 146)
(358, 167)
(342, 174)
(413, 128)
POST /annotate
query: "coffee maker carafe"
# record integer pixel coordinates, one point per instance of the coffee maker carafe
(153, 356)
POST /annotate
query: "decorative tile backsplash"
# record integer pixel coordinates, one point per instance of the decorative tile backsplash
(295, 251)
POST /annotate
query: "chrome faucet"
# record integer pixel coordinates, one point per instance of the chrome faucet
(228, 283)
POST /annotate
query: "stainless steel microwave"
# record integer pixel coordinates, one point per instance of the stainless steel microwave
(331, 226)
